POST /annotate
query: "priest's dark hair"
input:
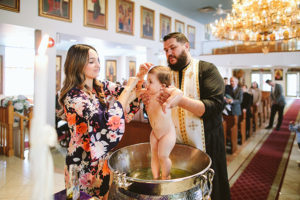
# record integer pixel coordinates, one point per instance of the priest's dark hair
(180, 37)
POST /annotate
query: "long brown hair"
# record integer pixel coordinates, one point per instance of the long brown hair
(77, 58)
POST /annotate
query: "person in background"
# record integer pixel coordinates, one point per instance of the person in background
(246, 104)
(256, 93)
(198, 95)
(277, 102)
(234, 96)
(95, 128)
(225, 81)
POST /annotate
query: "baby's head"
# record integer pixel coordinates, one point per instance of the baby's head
(158, 77)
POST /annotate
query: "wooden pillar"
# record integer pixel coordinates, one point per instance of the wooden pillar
(10, 150)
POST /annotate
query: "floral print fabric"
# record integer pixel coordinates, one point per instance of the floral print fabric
(95, 129)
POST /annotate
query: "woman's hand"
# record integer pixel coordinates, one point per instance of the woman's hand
(144, 96)
(144, 68)
(170, 97)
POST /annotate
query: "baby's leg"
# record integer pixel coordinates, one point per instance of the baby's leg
(154, 156)
(165, 146)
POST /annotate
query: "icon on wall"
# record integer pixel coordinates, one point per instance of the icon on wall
(147, 23)
(179, 26)
(278, 74)
(12, 5)
(56, 9)
(125, 16)
(111, 70)
(191, 33)
(95, 13)
(132, 68)
(165, 26)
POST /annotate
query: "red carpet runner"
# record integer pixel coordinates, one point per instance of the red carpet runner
(256, 180)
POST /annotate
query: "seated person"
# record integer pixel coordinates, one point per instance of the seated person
(234, 96)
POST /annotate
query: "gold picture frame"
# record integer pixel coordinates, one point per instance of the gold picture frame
(147, 23)
(58, 73)
(165, 26)
(179, 26)
(60, 10)
(278, 74)
(12, 5)
(125, 17)
(191, 35)
(95, 13)
(111, 70)
(132, 68)
(1, 75)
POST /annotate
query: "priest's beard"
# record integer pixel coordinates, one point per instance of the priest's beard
(181, 62)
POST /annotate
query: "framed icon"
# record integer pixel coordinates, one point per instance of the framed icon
(179, 26)
(95, 13)
(111, 70)
(132, 68)
(11, 5)
(125, 17)
(191, 34)
(56, 9)
(278, 73)
(165, 25)
(147, 23)
(58, 73)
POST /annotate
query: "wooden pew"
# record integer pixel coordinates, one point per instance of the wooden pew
(265, 98)
(231, 130)
(256, 117)
(251, 123)
(225, 132)
(242, 126)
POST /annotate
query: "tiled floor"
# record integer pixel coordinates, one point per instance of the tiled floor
(16, 182)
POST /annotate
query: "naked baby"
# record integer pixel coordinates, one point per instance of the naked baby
(163, 135)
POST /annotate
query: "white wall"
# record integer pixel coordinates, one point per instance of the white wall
(28, 17)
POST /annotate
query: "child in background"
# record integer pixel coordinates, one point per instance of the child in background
(163, 135)
(296, 127)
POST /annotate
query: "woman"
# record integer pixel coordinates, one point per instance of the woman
(95, 127)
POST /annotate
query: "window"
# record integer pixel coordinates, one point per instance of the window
(292, 84)
(260, 78)
(19, 72)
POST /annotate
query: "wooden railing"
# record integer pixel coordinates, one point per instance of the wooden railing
(7, 116)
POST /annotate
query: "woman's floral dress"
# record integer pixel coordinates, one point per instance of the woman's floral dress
(94, 130)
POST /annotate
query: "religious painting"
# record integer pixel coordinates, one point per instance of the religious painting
(278, 74)
(95, 13)
(1, 75)
(11, 5)
(111, 70)
(58, 73)
(165, 26)
(147, 23)
(191, 33)
(132, 68)
(56, 9)
(179, 26)
(125, 17)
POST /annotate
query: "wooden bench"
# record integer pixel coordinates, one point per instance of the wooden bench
(242, 126)
(231, 130)
(265, 98)
(256, 117)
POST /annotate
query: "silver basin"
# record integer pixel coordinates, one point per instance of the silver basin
(128, 159)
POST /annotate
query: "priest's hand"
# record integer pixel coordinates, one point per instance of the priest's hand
(170, 97)
(144, 68)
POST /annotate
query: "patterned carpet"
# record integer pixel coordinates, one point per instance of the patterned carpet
(262, 178)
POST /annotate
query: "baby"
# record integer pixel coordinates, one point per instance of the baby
(163, 135)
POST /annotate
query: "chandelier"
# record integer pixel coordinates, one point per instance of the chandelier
(260, 20)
